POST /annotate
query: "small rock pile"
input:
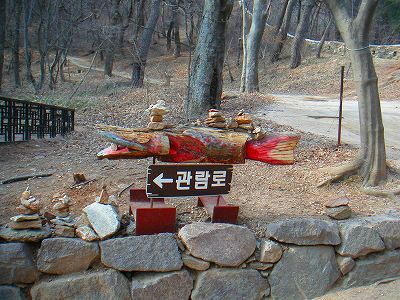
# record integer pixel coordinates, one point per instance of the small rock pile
(338, 209)
(157, 111)
(215, 119)
(100, 219)
(29, 209)
(244, 121)
(64, 222)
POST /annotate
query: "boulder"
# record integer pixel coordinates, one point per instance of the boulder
(66, 255)
(270, 251)
(9, 292)
(103, 218)
(358, 239)
(345, 264)
(388, 228)
(99, 285)
(16, 264)
(230, 284)
(223, 244)
(304, 231)
(166, 286)
(158, 253)
(374, 267)
(24, 235)
(304, 273)
(195, 263)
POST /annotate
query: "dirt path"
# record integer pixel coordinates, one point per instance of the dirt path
(319, 115)
(83, 63)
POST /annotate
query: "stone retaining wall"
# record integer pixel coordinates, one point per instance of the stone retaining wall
(299, 258)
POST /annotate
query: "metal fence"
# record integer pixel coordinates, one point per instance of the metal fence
(23, 120)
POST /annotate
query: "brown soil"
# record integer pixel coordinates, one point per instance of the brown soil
(264, 192)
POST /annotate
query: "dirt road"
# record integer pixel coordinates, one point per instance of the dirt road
(319, 115)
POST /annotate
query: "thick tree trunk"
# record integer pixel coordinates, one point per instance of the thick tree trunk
(141, 57)
(323, 38)
(371, 161)
(245, 29)
(253, 44)
(205, 87)
(282, 34)
(15, 41)
(301, 31)
(281, 17)
(2, 36)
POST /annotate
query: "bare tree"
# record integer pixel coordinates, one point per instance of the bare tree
(205, 87)
(301, 31)
(2, 36)
(323, 38)
(140, 57)
(245, 30)
(112, 34)
(370, 163)
(15, 41)
(175, 18)
(260, 13)
(281, 36)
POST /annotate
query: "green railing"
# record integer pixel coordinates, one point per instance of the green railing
(22, 120)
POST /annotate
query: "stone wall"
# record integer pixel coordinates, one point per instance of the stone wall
(298, 258)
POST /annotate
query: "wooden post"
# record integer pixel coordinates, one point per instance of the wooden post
(340, 105)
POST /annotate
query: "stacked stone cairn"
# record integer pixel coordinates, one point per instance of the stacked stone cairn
(100, 219)
(63, 222)
(215, 119)
(338, 209)
(157, 111)
(29, 209)
(244, 121)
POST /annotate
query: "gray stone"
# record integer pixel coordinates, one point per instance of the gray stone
(16, 264)
(9, 292)
(64, 231)
(304, 273)
(346, 264)
(304, 231)
(358, 239)
(343, 201)
(338, 213)
(104, 219)
(87, 233)
(100, 285)
(223, 244)
(23, 217)
(24, 235)
(81, 221)
(131, 228)
(166, 286)
(158, 253)
(195, 263)
(270, 251)
(66, 255)
(388, 228)
(374, 267)
(257, 265)
(230, 284)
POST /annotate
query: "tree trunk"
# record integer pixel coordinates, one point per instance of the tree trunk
(15, 41)
(28, 7)
(2, 36)
(301, 31)
(169, 34)
(141, 57)
(253, 44)
(245, 29)
(112, 37)
(323, 38)
(371, 161)
(175, 18)
(281, 17)
(282, 34)
(205, 87)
